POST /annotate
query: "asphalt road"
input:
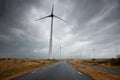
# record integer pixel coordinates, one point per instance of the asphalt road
(59, 71)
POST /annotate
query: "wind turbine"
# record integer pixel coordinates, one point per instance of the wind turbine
(94, 53)
(60, 50)
(51, 30)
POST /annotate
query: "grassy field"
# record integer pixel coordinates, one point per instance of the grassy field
(96, 74)
(14, 67)
(113, 64)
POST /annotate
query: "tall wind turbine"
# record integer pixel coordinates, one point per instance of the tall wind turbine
(51, 31)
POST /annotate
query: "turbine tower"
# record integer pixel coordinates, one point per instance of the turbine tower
(51, 30)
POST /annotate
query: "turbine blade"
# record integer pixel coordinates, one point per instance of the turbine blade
(43, 17)
(52, 9)
(60, 18)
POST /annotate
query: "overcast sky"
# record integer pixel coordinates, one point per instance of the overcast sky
(93, 28)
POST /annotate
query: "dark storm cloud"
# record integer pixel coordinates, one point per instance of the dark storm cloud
(91, 24)
(96, 22)
(12, 12)
(14, 34)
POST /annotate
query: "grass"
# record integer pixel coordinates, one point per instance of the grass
(96, 74)
(113, 64)
(14, 67)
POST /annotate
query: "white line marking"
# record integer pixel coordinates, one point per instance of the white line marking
(33, 71)
(80, 73)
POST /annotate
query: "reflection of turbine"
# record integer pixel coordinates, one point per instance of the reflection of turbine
(51, 31)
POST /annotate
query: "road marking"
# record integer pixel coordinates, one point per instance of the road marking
(33, 71)
(73, 68)
(80, 73)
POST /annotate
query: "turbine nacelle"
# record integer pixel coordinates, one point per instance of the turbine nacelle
(52, 15)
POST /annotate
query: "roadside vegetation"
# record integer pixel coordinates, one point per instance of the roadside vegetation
(10, 67)
(96, 74)
(113, 64)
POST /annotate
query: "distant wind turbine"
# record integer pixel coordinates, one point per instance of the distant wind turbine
(60, 52)
(51, 31)
(94, 53)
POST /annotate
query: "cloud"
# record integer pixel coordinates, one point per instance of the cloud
(91, 24)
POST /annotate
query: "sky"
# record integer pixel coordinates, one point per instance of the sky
(92, 31)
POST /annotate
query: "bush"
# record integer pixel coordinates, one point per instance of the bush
(115, 62)
(93, 59)
(118, 56)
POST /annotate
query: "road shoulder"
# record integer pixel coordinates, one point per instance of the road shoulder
(96, 74)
